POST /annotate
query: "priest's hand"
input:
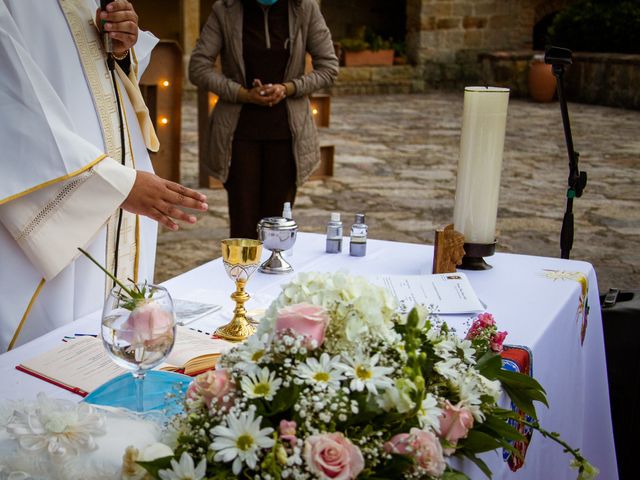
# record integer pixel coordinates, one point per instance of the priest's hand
(162, 200)
(121, 22)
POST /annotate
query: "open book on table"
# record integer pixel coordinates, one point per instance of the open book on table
(82, 364)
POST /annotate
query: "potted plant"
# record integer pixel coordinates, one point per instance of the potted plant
(366, 49)
(542, 82)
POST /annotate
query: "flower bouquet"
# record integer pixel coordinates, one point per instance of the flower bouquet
(337, 385)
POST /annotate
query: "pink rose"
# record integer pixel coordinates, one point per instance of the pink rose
(288, 431)
(332, 455)
(421, 445)
(455, 423)
(304, 319)
(497, 340)
(212, 387)
(399, 444)
(148, 325)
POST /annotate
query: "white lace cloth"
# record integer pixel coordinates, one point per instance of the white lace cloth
(56, 439)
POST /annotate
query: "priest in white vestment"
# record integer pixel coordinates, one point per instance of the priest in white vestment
(64, 172)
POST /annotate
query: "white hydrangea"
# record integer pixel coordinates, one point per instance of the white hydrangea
(359, 310)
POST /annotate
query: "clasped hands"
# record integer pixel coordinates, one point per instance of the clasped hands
(266, 95)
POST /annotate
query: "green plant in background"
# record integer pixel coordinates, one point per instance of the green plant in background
(399, 48)
(598, 26)
(365, 39)
(354, 44)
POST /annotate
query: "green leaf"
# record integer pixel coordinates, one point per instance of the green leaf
(154, 466)
(479, 463)
(501, 428)
(283, 400)
(521, 400)
(451, 474)
(523, 391)
(477, 442)
(490, 365)
(394, 468)
(520, 380)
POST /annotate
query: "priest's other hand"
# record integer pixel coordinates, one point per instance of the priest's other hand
(162, 200)
(121, 21)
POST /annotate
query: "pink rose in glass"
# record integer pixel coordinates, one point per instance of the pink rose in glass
(332, 455)
(212, 387)
(304, 319)
(148, 325)
(421, 445)
(497, 340)
(288, 431)
(455, 423)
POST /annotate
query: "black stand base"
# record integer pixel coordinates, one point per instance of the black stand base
(474, 252)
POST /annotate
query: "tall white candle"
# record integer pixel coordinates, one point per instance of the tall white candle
(481, 146)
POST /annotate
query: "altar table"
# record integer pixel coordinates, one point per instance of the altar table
(549, 305)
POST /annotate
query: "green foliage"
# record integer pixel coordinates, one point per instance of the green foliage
(354, 44)
(598, 26)
(154, 466)
(365, 39)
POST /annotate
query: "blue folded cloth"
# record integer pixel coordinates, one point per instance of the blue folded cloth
(162, 391)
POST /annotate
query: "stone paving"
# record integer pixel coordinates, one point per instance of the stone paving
(396, 159)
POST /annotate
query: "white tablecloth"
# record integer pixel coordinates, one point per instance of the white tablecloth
(527, 296)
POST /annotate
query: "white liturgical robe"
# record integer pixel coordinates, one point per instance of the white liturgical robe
(62, 179)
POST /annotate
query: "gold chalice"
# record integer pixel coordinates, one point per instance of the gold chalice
(241, 257)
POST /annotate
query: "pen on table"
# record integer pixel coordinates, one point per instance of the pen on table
(94, 335)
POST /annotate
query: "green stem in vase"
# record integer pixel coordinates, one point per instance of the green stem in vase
(135, 295)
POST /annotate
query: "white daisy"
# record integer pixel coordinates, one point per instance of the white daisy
(398, 397)
(260, 384)
(185, 469)
(364, 374)
(252, 352)
(493, 388)
(325, 371)
(241, 440)
(468, 351)
(470, 390)
(429, 413)
(445, 347)
(448, 368)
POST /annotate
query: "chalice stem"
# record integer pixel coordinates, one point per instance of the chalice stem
(240, 296)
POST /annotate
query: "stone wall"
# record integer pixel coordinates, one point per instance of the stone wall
(378, 80)
(446, 36)
(598, 78)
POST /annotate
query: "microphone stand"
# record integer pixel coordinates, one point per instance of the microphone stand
(558, 58)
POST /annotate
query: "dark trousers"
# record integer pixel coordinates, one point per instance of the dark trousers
(262, 176)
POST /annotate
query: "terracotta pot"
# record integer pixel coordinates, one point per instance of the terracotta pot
(368, 58)
(542, 82)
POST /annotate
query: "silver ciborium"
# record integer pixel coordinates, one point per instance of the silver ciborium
(277, 234)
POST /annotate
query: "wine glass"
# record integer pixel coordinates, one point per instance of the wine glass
(241, 257)
(139, 330)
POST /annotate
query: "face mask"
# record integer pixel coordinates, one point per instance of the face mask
(267, 3)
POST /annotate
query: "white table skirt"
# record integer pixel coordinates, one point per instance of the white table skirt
(526, 295)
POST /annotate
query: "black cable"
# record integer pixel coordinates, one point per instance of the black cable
(111, 65)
